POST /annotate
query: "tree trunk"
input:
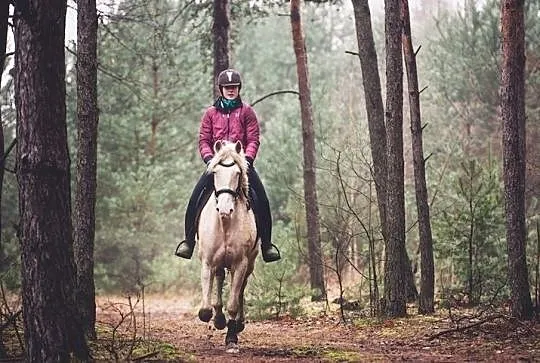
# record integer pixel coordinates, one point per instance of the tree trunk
(4, 17)
(85, 195)
(376, 125)
(374, 102)
(427, 271)
(395, 266)
(308, 137)
(51, 323)
(512, 91)
(220, 31)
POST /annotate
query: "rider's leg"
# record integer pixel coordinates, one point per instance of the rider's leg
(198, 197)
(263, 218)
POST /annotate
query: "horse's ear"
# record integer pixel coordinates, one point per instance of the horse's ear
(217, 146)
(238, 146)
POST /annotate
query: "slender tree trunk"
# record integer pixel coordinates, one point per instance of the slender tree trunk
(427, 271)
(308, 138)
(155, 11)
(4, 16)
(374, 102)
(512, 91)
(52, 328)
(154, 123)
(395, 266)
(85, 195)
(220, 31)
(376, 124)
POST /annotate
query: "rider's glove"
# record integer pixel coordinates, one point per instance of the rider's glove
(207, 160)
(249, 161)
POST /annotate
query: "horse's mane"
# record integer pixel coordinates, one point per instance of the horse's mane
(228, 151)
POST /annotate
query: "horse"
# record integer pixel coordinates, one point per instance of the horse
(227, 239)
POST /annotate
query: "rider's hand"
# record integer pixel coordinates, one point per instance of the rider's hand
(249, 161)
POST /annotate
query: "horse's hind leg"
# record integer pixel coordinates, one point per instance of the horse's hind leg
(219, 319)
(207, 279)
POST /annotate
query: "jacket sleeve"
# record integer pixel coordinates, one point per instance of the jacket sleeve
(252, 133)
(205, 136)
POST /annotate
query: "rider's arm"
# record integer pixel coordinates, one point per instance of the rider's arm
(252, 133)
(205, 136)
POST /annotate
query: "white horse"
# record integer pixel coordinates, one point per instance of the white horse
(227, 240)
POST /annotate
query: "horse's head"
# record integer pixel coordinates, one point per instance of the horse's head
(229, 168)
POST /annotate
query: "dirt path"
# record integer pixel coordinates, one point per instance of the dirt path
(325, 339)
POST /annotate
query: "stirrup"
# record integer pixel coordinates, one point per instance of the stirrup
(184, 249)
(271, 253)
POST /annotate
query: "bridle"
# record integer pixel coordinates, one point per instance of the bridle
(234, 193)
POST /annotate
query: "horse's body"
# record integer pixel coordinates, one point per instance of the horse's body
(227, 240)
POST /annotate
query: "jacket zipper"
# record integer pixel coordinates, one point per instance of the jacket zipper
(228, 126)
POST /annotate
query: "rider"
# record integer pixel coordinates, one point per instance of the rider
(230, 119)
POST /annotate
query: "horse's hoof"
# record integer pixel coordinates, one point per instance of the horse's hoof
(205, 315)
(220, 322)
(232, 348)
(240, 326)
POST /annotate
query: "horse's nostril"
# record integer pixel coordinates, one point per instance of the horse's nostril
(230, 211)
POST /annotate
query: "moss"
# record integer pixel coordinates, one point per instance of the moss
(335, 355)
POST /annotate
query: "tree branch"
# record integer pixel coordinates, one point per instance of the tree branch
(273, 94)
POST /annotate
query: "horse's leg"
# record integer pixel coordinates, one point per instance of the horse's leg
(241, 314)
(207, 279)
(219, 319)
(238, 276)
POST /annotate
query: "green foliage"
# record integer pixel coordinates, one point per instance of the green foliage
(147, 150)
(273, 290)
(469, 231)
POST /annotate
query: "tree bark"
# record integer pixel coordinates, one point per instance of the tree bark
(376, 124)
(52, 326)
(512, 91)
(395, 266)
(220, 31)
(85, 194)
(4, 17)
(427, 272)
(374, 102)
(308, 137)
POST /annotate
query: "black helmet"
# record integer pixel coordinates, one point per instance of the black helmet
(229, 77)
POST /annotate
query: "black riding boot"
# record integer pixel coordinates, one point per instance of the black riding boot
(263, 218)
(199, 197)
(270, 252)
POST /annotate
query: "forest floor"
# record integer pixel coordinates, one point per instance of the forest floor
(171, 331)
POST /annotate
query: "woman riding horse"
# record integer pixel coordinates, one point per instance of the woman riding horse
(230, 119)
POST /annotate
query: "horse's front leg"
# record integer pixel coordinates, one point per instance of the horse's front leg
(219, 319)
(207, 280)
(241, 313)
(238, 276)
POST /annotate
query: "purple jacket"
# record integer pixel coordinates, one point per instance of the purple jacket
(241, 124)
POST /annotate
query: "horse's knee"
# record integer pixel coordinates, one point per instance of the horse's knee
(205, 314)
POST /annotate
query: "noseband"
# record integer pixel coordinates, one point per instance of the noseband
(234, 193)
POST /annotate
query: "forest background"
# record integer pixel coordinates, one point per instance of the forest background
(155, 80)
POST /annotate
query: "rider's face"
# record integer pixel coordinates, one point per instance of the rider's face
(230, 92)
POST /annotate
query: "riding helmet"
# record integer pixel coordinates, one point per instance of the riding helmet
(229, 77)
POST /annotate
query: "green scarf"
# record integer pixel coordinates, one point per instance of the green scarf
(227, 105)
